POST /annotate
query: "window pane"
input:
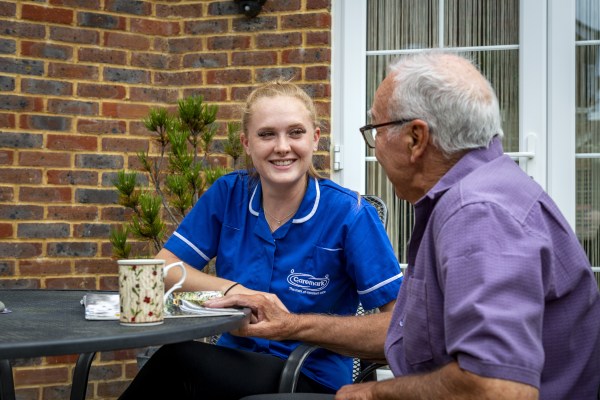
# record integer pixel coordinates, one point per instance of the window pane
(391, 26)
(405, 24)
(588, 127)
(481, 23)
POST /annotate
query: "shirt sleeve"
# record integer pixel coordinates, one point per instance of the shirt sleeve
(371, 260)
(196, 239)
(491, 275)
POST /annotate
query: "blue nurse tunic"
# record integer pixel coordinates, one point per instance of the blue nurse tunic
(332, 254)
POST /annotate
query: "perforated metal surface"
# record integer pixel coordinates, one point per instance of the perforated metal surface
(49, 322)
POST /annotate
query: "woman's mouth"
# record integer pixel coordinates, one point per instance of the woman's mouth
(282, 163)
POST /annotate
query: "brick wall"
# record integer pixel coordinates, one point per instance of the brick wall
(76, 77)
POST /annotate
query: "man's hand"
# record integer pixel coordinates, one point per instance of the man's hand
(270, 319)
(359, 391)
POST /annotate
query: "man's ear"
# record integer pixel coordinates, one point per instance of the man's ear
(419, 139)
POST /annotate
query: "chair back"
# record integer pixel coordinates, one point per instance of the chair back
(380, 206)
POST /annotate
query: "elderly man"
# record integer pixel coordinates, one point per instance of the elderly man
(498, 301)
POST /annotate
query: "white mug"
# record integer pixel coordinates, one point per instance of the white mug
(142, 290)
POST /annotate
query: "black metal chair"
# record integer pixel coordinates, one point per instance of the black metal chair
(293, 366)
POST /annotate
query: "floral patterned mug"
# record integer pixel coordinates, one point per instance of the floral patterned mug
(142, 290)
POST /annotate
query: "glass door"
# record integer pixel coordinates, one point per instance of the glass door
(587, 39)
(541, 57)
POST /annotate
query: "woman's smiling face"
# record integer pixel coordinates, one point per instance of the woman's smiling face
(280, 138)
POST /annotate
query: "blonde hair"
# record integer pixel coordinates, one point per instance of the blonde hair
(276, 88)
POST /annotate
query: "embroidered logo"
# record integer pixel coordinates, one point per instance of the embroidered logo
(307, 283)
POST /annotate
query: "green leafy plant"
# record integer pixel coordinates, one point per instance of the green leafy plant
(177, 175)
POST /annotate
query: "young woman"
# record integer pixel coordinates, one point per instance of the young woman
(278, 229)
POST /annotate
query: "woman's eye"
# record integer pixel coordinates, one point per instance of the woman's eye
(296, 132)
(265, 134)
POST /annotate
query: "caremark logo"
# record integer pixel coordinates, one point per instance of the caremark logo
(307, 282)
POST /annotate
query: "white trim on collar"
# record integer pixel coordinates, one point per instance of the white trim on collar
(315, 205)
(255, 213)
(298, 220)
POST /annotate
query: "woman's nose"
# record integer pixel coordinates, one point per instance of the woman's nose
(282, 145)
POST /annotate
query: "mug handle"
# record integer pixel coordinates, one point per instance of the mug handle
(179, 284)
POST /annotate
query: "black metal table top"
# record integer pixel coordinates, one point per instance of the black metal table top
(51, 322)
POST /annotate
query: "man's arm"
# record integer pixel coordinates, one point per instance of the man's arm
(357, 336)
(448, 382)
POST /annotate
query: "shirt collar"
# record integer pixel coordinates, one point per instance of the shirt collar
(467, 164)
(308, 206)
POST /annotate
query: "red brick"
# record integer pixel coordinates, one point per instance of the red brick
(7, 157)
(7, 194)
(278, 40)
(44, 267)
(154, 27)
(318, 38)
(187, 11)
(28, 393)
(306, 21)
(71, 283)
(7, 120)
(46, 14)
(38, 376)
(44, 159)
(153, 95)
(104, 56)
(306, 56)
(108, 283)
(46, 50)
(20, 175)
(96, 266)
(70, 359)
(6, 230)
(233, 42)
(89, 4)
(71, 177)
(8, 9)
(118, 355)
(93, 90)
(111, 389)
(124, 110)
(126, 41)
(124, 145)
(318, 4)
(101, 126)
(248, 58)
(45, 194)
(73, 213)
(178, 78)
(228, 77)
(71, 142)
(318, 73)
(209, 94)
(72, 71)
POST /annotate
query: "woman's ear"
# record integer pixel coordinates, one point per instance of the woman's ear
(316, 137)
(244, 141)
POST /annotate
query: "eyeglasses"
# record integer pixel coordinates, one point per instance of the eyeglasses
(369, 131)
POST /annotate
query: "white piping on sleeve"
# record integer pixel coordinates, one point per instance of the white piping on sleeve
(380, 284)
(197, 250)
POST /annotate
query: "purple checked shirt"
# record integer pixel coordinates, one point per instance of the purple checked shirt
(498, 282)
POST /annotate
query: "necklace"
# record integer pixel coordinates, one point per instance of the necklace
(279, 221)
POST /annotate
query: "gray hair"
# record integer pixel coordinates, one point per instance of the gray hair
(457, 102)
